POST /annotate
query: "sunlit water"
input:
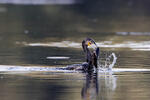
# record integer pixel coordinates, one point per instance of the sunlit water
(142, 45)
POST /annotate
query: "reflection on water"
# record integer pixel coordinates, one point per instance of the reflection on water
(79, 86)
(98, 86)
(107, 86)
(90, 87)
(133, 45)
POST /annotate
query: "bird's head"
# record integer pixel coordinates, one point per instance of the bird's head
(90, 43)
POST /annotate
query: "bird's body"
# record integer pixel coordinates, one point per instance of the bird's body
(91, 57)
(79, 67)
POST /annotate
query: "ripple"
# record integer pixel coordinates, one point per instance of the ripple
(27, 69)
(130, 70)
(133, 45)
(57, 57)
(56, 44)
(15, 68)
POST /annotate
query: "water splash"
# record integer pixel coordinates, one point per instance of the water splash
(114, 60)
(108, 62)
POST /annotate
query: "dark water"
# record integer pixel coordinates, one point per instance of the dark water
(57, 31)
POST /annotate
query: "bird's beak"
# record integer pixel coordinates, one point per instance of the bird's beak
(89, 43)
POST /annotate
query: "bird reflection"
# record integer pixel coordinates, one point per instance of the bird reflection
(98, 86)
(90, 87)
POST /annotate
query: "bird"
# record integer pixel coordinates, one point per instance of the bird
(92, 55)
(91, 51)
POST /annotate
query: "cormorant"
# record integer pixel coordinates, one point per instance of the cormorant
(91, 51)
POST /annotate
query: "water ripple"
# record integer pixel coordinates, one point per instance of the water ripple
(14, 68)
(142, 45)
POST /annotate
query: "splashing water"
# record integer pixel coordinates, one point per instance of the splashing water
(108, 63)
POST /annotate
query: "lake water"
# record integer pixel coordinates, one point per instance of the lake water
(30, 37)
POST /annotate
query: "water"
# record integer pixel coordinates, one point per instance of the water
(33, 44)
(126, 81)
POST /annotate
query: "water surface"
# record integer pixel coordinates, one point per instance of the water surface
(78, 86)
(51, 37)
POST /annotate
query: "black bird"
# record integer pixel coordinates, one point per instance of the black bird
(91, 55)
(91, 51)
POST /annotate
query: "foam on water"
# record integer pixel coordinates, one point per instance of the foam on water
(9, 68)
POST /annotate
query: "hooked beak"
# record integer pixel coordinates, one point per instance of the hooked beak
(89, 43)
